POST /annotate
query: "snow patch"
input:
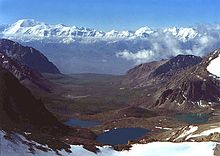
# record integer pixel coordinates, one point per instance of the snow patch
(214, 66)
(165, 128)
(206, 133)
(186, 133)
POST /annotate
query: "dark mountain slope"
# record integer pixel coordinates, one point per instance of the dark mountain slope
(21, 112)
(27, 76)
(18, 105)
(140, 74)
(181, 83)
(177, 63)
(192, 88)
(28, 56)
(159, 71)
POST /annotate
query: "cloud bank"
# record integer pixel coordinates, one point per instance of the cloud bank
(170, 42)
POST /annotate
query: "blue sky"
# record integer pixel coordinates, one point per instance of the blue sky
(113, 14)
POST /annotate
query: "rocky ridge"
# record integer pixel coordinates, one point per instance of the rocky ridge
(182, 83)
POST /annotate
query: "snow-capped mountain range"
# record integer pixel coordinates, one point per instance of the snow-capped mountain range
(79, 49)
(29, 29)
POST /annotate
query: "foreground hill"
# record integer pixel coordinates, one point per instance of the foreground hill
(19, 105)
(166, 149)
(22, 113)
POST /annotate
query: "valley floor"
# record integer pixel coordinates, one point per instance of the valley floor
(103, 98)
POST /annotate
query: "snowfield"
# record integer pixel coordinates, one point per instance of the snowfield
(16, 148)
(214, 66)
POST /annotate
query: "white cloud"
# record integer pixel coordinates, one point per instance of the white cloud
(169, 42)
(139, 57)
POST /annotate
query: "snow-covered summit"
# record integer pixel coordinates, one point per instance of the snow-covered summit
(144, 31)
(183, 34)
(29, 29)
(187, 33)
(27, 23)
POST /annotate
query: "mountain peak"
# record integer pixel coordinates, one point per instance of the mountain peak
(27, 23)
(143, 31)
(187, 33)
